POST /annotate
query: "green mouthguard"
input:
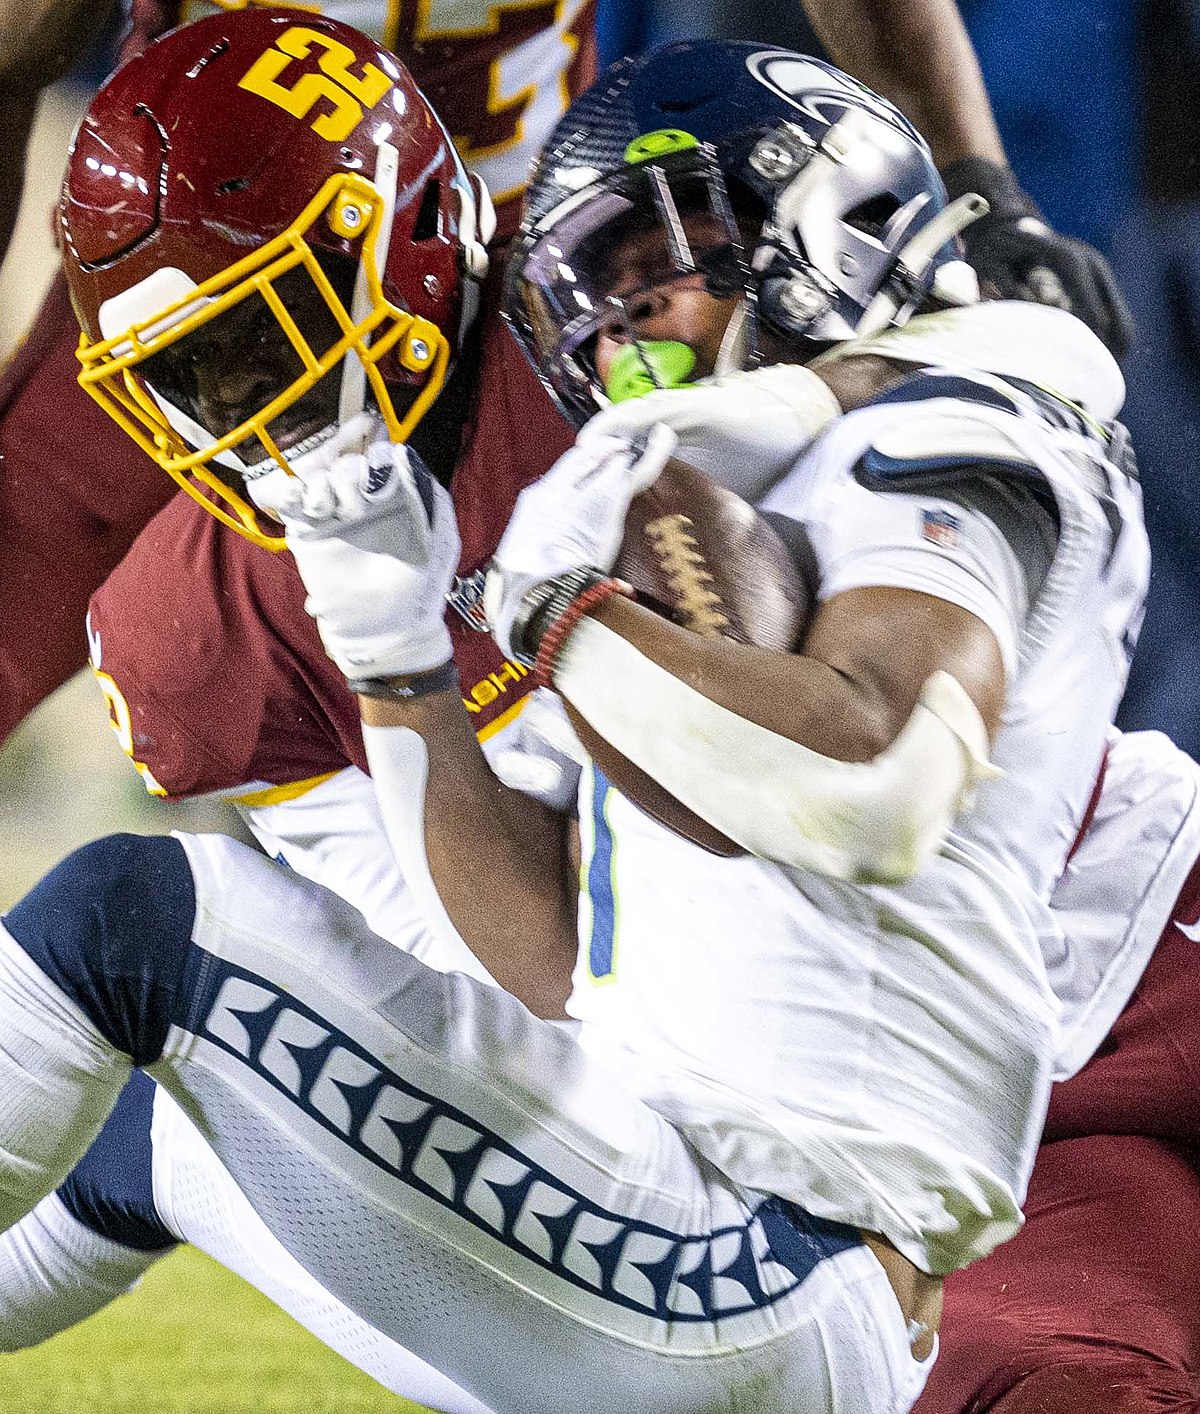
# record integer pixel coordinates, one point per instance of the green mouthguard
(641, 368)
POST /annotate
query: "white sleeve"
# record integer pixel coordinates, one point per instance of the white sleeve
(334, 834)
(864, 538)
(55, 1271)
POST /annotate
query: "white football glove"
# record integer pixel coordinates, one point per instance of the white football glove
(375, 540)
(574, 516)
(744, 430)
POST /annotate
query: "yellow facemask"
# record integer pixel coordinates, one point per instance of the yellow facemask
(352, 208)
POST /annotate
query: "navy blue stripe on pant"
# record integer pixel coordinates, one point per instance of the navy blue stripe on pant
(111, 1189)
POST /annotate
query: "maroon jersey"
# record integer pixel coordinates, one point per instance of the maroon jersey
(215, 675)
(499, 75)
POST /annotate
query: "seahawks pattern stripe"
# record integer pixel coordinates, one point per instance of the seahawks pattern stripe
(455, 1160)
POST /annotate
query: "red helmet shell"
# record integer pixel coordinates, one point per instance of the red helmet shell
(213, 140)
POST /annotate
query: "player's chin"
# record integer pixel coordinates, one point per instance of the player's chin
(294, 442)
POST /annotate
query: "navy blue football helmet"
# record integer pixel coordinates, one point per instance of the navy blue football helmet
(772, 174)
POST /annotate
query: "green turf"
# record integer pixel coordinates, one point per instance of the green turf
(190, 1340)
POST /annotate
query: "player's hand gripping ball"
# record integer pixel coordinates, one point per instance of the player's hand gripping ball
(702, 557)
(693, 552)
(571, 517)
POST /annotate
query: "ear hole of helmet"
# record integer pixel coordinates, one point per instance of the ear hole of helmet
(428, 223)
(872, 216)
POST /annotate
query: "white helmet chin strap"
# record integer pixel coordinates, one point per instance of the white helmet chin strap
(476, 224)
(476, 227)
(192, 433)
(353, 397)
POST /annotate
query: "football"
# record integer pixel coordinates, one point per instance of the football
(702, 557)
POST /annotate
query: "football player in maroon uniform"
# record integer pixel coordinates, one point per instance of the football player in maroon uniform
(500, 74)
(375, 267)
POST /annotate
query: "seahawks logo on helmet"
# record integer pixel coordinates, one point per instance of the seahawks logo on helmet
(812, 87)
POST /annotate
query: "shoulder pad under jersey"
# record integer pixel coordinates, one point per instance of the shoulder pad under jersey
(946, 431)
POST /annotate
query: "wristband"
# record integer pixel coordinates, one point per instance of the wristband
(541, 604)
(416, 685)
(556, 633)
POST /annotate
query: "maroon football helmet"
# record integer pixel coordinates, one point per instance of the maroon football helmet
(265, 227)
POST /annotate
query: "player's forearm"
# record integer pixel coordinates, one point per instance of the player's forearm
(918, 54)
(848, 763)
(497, 858)
(868, 655)
(798, 698)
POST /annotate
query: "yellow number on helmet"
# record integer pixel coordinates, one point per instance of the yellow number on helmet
(348, 93)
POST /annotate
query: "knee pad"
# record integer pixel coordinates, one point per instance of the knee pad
(111, 1189)
(111, 926)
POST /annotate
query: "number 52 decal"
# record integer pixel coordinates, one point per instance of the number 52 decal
(348, 93)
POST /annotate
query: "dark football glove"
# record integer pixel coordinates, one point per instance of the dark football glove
(1018, 256)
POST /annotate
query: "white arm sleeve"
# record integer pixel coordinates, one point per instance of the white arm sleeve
(871, 822)
(399, 762)
(337, 835)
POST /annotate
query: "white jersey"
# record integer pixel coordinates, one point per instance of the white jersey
(1110, 905)
(1120, 887)
(1124, 875)
(883, 1056)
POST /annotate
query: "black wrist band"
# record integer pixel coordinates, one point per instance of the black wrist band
(414, 685)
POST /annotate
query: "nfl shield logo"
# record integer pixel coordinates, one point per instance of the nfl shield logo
(940, 528)
(466, 599)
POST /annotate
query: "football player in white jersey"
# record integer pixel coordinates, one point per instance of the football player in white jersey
(33, 47)
(680, 1228)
